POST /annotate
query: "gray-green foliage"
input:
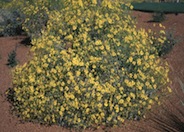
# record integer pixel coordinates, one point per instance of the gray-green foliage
(9, 24)
(13, 15)
(158, 17)
(168, 44)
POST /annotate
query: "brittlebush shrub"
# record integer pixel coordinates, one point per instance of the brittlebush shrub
(91, 67)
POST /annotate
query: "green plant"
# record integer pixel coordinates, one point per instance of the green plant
(34, 13)
(36, 17)
(168, 44)
(91, 67)
(158, 17)
(164, 45)
(9, 24)
(12, 61)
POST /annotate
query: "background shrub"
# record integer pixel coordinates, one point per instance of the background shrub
(158, 17)
(9, 24)
(33, 14)
(168, 44)
(163, 41)
(36, 16)
(91, 67)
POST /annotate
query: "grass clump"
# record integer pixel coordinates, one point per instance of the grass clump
(171, 119)
(91, 67)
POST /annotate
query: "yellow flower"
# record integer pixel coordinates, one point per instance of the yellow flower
(102, 115)
(52, 83)
(132, 95)
(31, 89)
(109, 20)
(69, 37)
(139, 62)
(102, 47)
(87, 111)
(80, 3)
(45, 65)
(110, 35)
(154, 86)
(106, 103)
(74, 27)
(53, 70)
(139, 112)
(135, 76)
(31, 79)
(130, 59)
(149, 107)
(93, 66)
(150, 101)
(50, 42)
(94, 2)
(55, 102)
(39, 70)
(162, 31)
(75, 61)
(61, 113)
(98, 42)
(128, 99)
(169, 89)
(60, 31)
(118, 97)
(109, 118)
(121, 101)
(120, 119)
(131, 7)
(78, 73)
(99, 105)
(116, 108)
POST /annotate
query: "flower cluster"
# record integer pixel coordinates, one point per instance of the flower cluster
(91, 66)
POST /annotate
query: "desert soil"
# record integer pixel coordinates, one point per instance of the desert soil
(174, 23)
